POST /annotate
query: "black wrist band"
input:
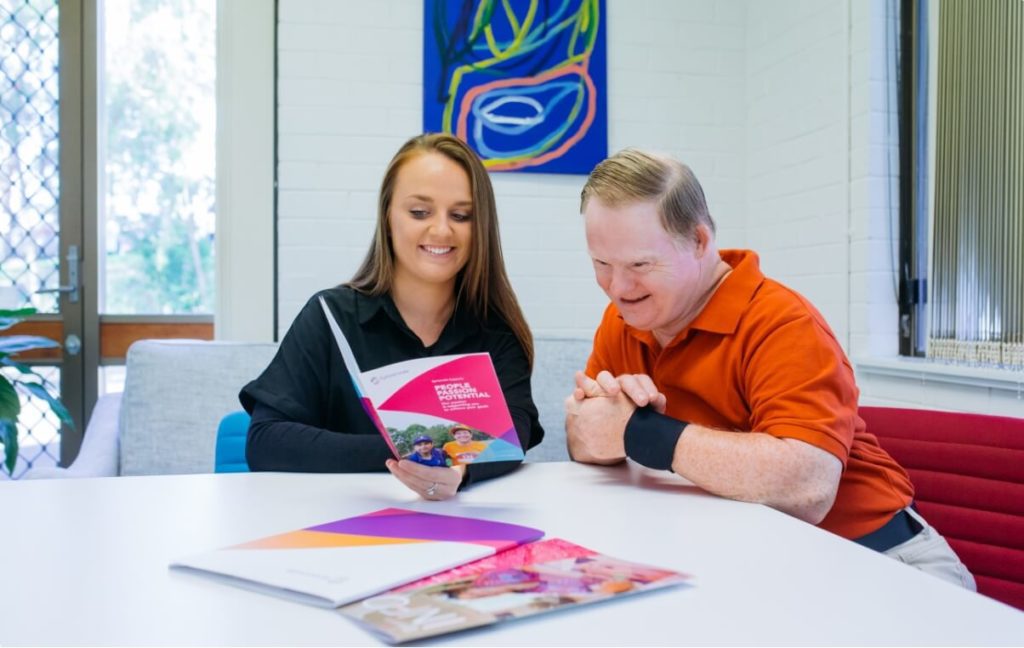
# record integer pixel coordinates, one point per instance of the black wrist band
(651, 438)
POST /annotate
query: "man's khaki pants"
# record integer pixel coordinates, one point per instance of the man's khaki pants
(929, 552)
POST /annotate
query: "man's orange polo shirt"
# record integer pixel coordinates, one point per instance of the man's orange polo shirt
(760, 358)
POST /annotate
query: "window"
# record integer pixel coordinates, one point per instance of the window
(157, 146)
(975, 196)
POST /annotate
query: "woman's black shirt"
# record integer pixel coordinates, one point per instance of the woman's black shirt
(305, 413)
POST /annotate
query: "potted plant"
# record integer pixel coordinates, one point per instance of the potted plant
(22, 379)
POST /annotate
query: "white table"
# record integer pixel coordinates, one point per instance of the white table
(85, 562)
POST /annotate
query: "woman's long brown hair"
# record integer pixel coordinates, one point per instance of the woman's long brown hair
(483, 284)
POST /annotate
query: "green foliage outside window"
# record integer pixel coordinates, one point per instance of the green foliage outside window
(159, 75)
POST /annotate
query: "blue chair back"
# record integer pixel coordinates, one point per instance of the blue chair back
(229, 455)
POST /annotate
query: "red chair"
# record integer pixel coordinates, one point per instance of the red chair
(968, 474)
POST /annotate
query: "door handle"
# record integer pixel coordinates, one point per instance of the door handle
(72, 288)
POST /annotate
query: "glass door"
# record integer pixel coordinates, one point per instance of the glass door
(41, 211)
(107, 131)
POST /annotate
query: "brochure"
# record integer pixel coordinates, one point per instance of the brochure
(342, 561)
(527, 580)
(438, 411)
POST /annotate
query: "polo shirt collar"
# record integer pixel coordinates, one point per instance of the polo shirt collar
(723, 311)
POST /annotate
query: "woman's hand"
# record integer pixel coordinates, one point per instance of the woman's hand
(431, 482)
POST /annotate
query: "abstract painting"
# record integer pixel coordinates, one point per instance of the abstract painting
(523, 82)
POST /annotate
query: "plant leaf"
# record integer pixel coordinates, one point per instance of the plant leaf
(10, 404)
(9, 437)
(58, 408)
(11, 344)
(9, 318)
(17, 312)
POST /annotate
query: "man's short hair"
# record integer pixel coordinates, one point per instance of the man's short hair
(632, 175)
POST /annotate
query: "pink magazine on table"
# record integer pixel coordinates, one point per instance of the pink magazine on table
(524, 581)
(345, 560)
(441, 410)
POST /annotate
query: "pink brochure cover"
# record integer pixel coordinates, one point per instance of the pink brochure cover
(440, 410)
(524, 581)
(345, 560)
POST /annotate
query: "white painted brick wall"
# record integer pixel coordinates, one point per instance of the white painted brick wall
(796, 148)
(874, 189)
(349, 92)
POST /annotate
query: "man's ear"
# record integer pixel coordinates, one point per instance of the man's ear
(702, 238)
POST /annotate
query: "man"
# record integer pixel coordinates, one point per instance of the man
(424, 452)
(704, 367)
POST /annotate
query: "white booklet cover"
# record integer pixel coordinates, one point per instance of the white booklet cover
(342, 561)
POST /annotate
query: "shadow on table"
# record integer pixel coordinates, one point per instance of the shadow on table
(657, 480)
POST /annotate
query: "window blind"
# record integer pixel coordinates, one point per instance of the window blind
(977, 302)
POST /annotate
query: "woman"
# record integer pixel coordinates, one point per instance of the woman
(433, 283)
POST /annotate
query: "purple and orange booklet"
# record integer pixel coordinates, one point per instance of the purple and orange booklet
(523, 581)
(343, 561)
(452, 404)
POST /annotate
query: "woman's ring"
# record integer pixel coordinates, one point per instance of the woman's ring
(432, 489)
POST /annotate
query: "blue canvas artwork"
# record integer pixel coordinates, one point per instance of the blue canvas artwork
(523, 82)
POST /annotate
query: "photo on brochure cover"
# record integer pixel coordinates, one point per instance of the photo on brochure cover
(439, 445)
(523, 581)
